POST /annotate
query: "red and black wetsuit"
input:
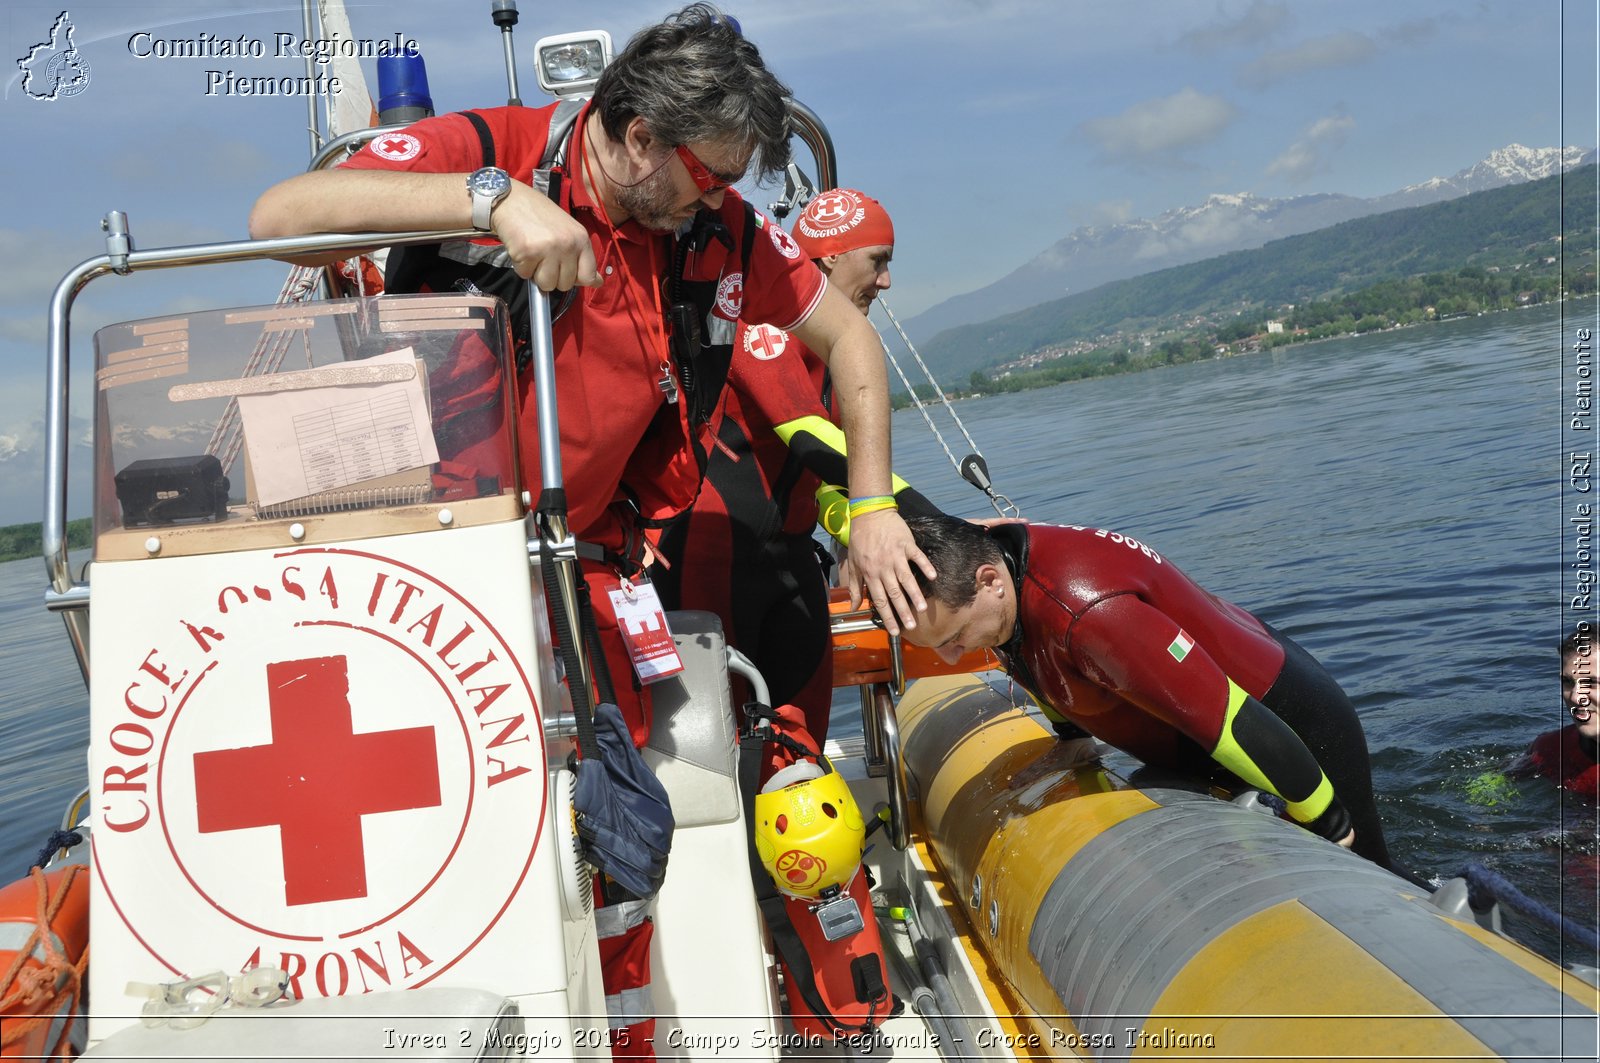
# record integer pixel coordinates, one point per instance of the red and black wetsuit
(1113, 637)
(1569, 758)
(745, 551)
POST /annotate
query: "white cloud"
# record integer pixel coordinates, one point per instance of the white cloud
(1153, 130)
(11, 446)
(1311, 152)
(1260, 22)
(1347, 48)
(1108, 212)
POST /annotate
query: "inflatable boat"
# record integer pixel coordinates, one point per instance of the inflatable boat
(329, 804)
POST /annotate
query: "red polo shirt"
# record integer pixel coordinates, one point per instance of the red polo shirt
(610, 346)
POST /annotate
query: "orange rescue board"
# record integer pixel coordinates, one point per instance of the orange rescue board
(862, 657)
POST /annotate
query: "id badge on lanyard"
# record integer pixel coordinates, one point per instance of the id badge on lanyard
(643, 626)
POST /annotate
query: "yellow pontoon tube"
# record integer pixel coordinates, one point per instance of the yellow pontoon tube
(1141, 922)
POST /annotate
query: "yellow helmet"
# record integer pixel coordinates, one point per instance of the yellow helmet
(808, 829)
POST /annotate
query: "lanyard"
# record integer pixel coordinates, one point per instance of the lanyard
(654, 328)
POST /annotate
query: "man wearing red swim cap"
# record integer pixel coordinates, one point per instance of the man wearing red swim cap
(745, 550)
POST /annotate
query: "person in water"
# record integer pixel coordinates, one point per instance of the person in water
(745, 550)
(1570, 755)
(1109, 635)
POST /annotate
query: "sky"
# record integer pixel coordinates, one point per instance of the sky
(989, 128)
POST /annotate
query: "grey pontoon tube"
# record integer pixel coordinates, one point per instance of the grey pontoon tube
(65, 595)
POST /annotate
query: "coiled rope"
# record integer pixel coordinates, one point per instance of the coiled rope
(58, 840)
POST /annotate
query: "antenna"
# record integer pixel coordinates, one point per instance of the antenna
(504, 13)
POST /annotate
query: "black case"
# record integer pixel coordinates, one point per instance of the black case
(157, 491)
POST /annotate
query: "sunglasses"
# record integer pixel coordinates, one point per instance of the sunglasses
(705, 179)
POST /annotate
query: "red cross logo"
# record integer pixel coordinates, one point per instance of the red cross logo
(831, 208)
(765, 342)
(783, 241)
(397, 147)
(730, 296)
(316, 780)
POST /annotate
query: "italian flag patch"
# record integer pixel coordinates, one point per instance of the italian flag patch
(1181, 645)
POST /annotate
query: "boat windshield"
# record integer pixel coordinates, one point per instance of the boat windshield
(242, 416)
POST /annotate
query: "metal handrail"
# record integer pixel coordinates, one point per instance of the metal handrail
(331, 151)
(64, 594)
(809, 128)
(887, 729)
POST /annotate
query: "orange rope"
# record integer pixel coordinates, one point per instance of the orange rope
(35, 992)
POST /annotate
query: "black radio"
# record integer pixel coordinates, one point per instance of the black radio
(159, 491)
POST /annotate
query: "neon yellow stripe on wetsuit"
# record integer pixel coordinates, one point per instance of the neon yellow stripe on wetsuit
(829, 436)
(1233, 757)
(827, 446)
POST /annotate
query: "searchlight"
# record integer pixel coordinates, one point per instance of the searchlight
(569, 64)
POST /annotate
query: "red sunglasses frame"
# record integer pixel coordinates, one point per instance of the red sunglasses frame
(704, 178)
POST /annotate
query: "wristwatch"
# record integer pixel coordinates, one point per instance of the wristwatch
(487, 187)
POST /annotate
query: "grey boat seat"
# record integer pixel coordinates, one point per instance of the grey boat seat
(692, 747)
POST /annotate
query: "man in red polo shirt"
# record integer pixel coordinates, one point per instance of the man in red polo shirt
(639, 165)
(681, 114)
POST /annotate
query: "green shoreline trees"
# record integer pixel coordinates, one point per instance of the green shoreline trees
(18, 541)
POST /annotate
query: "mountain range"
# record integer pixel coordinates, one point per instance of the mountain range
(1501, 230)
(1093, 255)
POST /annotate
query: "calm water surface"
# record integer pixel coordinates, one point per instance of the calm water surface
(1390, 501)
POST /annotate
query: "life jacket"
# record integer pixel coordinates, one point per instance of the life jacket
(44, 942)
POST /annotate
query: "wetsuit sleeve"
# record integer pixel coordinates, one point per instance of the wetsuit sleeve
(1142, 655)
(780, 383)
(820, 446)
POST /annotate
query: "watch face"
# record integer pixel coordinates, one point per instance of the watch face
(490, 182)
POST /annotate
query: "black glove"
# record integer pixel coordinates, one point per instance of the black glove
(1333, 824)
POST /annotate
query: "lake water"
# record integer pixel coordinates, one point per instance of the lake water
(1391, 501)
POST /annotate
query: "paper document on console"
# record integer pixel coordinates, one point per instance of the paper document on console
(307, 439)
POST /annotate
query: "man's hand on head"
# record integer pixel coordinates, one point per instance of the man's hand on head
(882, 552)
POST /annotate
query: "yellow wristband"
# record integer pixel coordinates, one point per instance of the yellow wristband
(875, 507)
(859, 504)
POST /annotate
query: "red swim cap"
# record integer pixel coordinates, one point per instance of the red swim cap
(842, 220)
